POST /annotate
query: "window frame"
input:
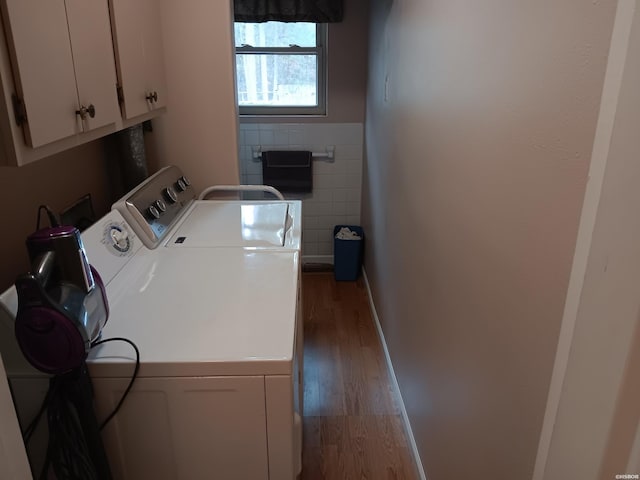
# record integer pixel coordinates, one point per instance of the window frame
(321, 79)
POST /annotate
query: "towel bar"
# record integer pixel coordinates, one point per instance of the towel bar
(256, 153)
(240, 188)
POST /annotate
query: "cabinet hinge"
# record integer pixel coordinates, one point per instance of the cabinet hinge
(120, 93)
(19, 109)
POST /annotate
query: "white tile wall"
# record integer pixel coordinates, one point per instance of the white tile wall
(337, 184)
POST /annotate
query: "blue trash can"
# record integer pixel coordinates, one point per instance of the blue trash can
(347, 254)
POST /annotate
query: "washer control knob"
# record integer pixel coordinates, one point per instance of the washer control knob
(153, 212)
(182, 184)
(170, 194)
(160, 205)
(118, 238)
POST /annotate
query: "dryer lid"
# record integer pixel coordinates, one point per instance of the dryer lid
(233, 224)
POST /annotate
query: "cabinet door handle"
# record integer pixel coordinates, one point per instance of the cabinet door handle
(84, 111)
(152, 97)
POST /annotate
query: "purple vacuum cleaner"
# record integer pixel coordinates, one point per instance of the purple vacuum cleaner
(62, 303)
(62, 308)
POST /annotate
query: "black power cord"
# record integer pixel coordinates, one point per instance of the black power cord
(133, 377)
(53, 219)
(75, 449)
(28, 432)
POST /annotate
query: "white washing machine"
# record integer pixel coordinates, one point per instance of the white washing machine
(217, 322)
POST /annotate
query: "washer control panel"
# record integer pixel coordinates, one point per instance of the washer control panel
(155, 205)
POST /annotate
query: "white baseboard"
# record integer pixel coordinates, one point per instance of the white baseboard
(394, 381)
(317, 259)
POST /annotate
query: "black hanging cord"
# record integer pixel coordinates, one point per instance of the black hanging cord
(53, 219)
(72, 454)
(26, 435)
(75, 450)
(133, 377)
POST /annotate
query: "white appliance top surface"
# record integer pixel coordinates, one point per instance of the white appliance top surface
(238, 224)
(200, 311)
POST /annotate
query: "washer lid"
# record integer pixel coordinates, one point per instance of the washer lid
(233, 224)
(202, 311)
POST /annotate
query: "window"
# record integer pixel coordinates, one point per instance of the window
(280, 68)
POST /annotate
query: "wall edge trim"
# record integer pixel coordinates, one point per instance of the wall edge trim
(612, 85)
(394, 381)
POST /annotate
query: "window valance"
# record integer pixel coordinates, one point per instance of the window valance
(315, 11)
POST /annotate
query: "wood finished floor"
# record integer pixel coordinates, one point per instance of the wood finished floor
(352, 423)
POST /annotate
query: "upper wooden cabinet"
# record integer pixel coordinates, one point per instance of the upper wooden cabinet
(137, 36)
(72, 71)
(63, 66)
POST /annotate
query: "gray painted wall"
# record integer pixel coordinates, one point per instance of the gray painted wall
(480, 125)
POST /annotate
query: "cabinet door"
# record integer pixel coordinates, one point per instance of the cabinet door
(90, 33)
(139, 55)
(43, 68)
(185, 427)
